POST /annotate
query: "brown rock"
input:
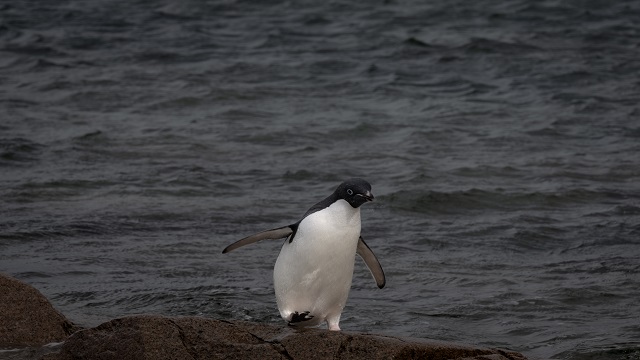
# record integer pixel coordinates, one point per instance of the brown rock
(156, 337)
(27, 318)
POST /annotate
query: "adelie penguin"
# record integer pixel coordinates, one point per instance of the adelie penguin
(312, 275)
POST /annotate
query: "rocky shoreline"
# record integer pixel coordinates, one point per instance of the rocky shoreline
(29, 321)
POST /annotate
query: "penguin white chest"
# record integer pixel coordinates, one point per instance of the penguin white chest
(313, 273)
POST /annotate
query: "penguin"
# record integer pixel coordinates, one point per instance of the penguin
(313, 272)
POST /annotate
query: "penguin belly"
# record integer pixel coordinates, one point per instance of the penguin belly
(313, 273)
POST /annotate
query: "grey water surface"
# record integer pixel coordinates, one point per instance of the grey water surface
(138, 138)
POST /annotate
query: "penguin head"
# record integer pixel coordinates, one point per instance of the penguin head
(355, 191)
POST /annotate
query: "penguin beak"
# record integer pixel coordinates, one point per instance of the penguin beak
(368, 196)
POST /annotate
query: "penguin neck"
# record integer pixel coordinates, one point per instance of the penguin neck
(325, 203)
(343, 213)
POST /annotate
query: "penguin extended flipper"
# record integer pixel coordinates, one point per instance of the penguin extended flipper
(278, 233)
(372, 262)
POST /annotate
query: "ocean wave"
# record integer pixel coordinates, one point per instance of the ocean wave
(19, 151)
(474, 200)
(451, 86)
(485, 45)
(36, 230)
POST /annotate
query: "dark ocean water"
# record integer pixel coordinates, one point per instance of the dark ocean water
(502, 140)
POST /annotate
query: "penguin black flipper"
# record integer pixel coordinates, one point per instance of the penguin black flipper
(372, 262)
(278, 233)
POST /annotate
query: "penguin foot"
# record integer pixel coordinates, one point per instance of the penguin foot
(300, 317)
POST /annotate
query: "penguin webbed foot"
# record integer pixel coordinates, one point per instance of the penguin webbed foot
(297, 317)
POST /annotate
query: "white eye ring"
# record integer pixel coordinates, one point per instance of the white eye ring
(349, 191)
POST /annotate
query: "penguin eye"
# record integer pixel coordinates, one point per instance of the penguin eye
(350, 192)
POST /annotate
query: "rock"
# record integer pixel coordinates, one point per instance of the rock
(27, 318)
(157, 337)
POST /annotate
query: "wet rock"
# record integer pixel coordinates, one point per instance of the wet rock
(27, 318)
(157, 337)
